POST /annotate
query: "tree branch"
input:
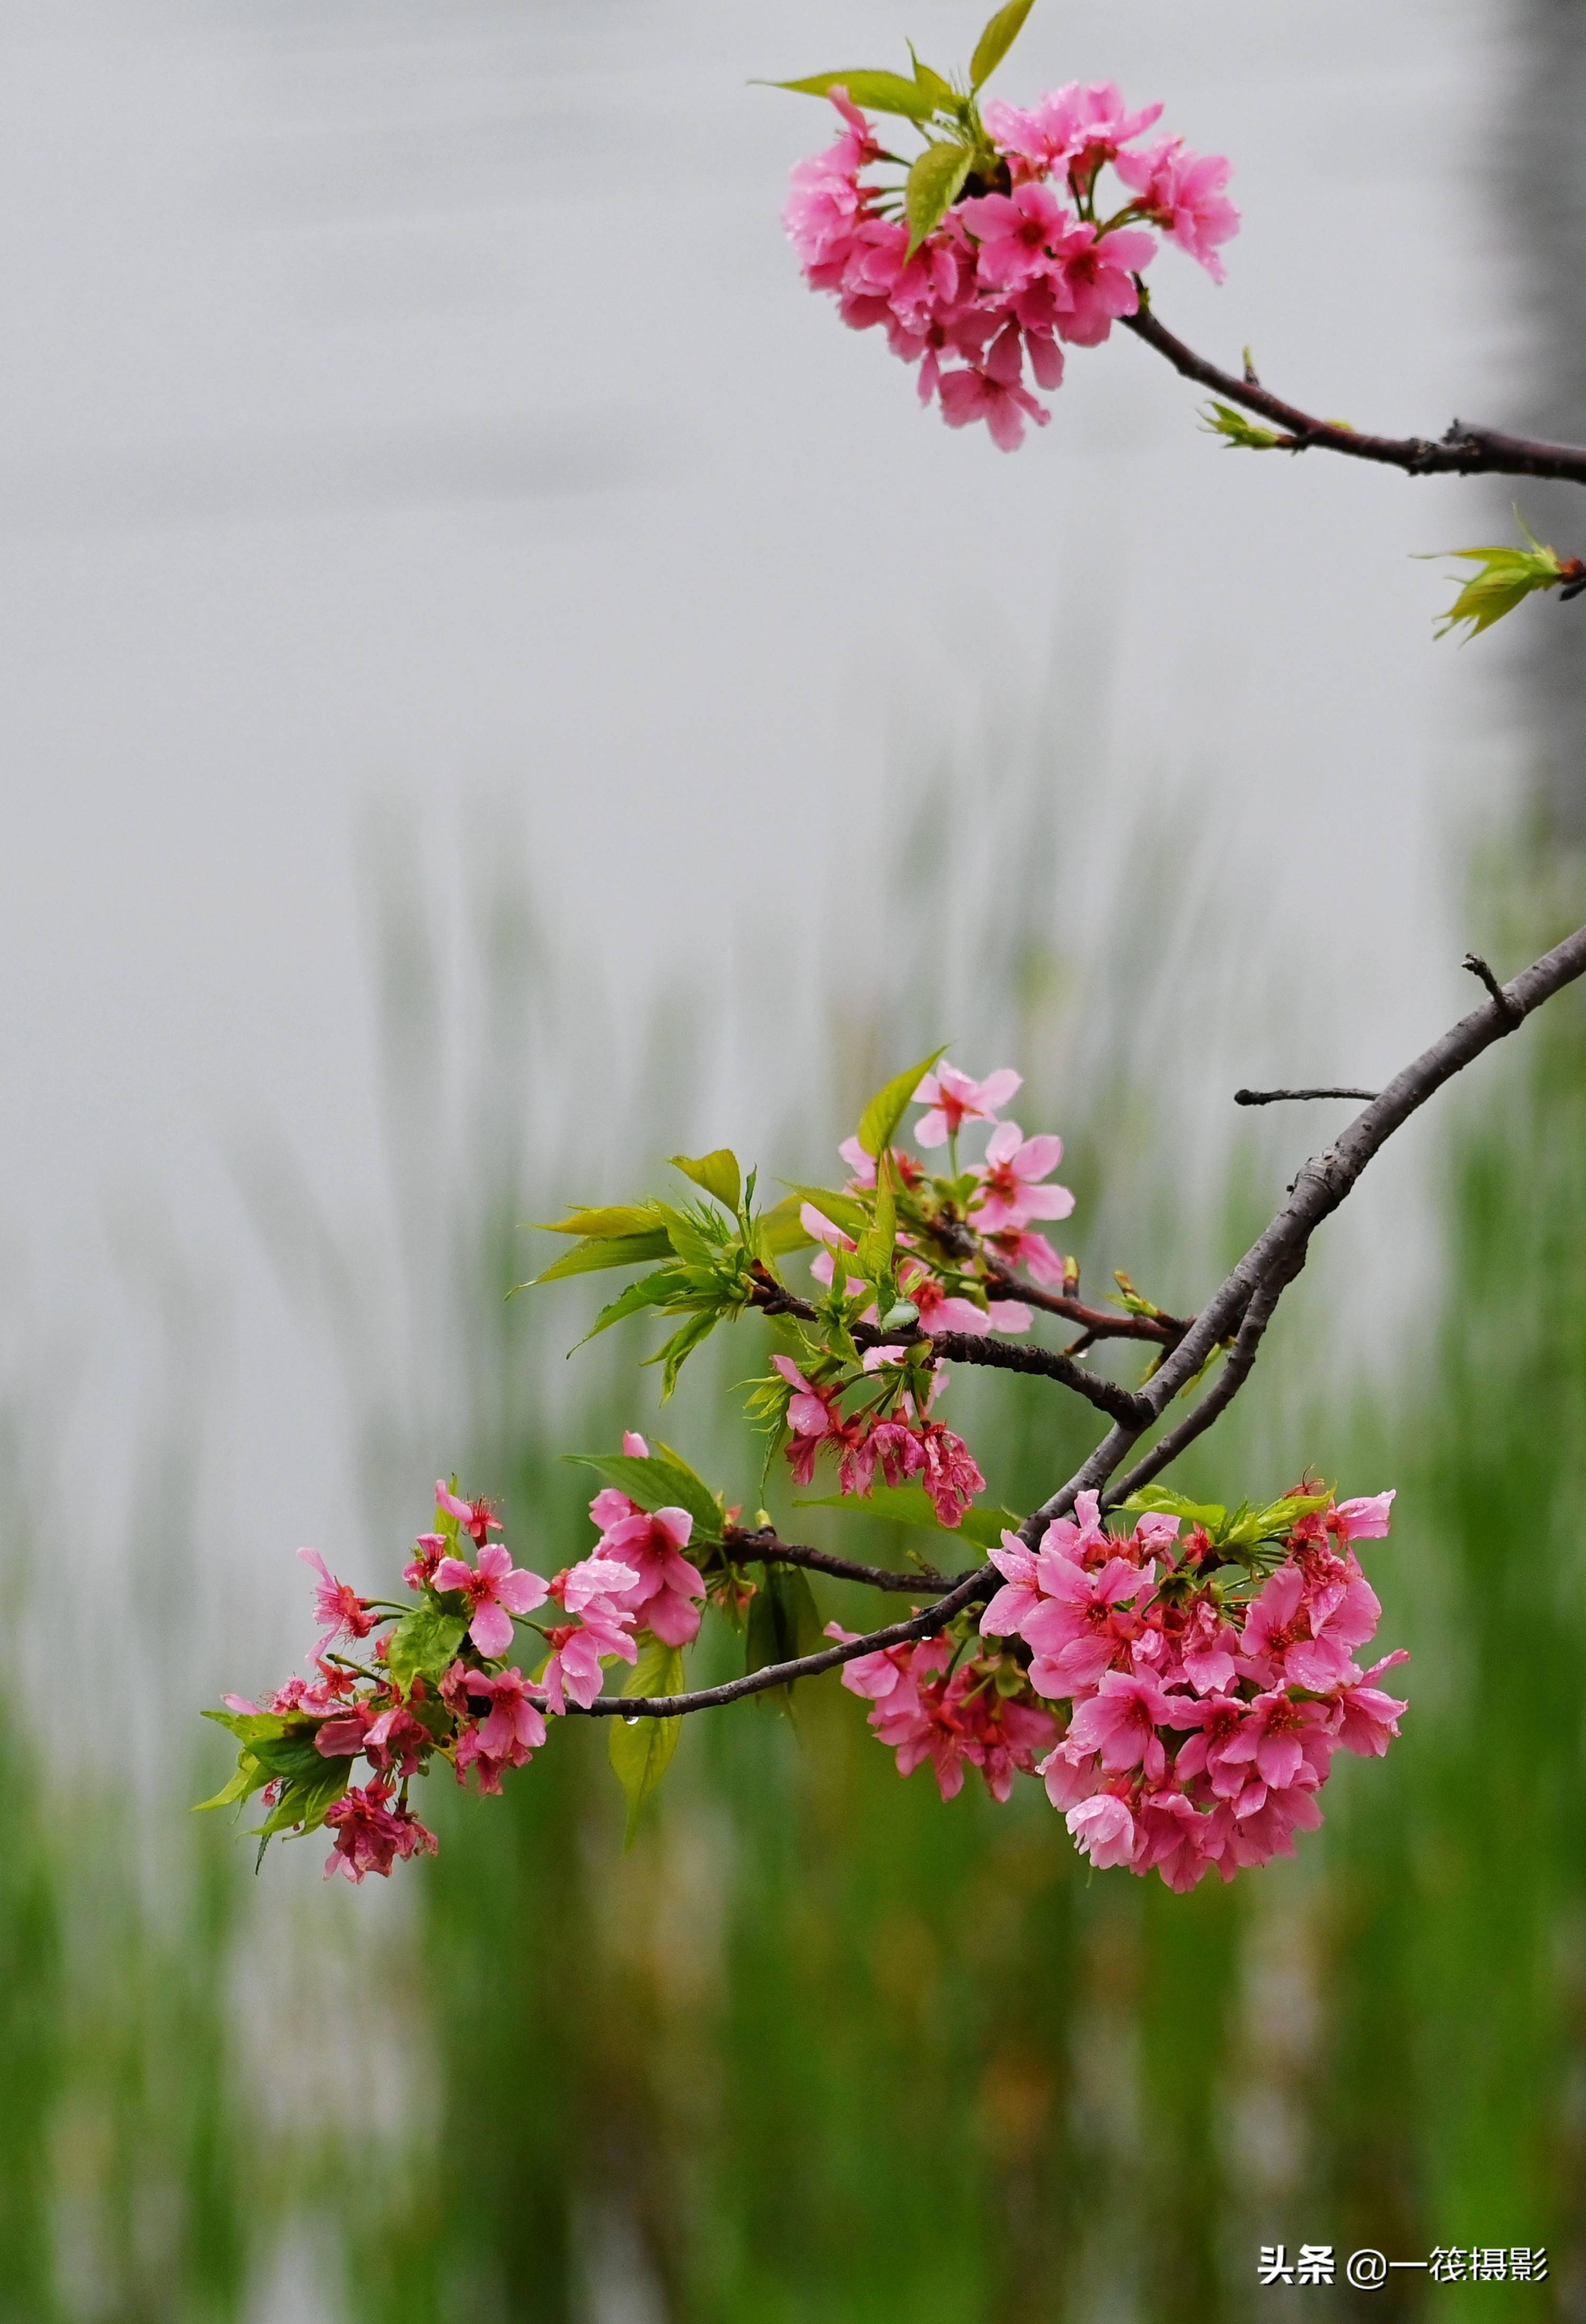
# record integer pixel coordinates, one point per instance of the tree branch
(1003, 1355)
(1279, 1097)
(1100, 1322)
(1243, 1306)
(1321, 1184)
(1465, 451)
(763, 1548)
(1235, 1371)
(980, 1583)
(977, 1348)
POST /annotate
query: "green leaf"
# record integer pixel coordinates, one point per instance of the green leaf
(717, 1173)
(998, 38)
(879, 1241)
(1159, 1501)
(944, 96)
(886, 1110)
(877, 92)
(1507, 578)
(783, 1624)
(607, 1250)
(675, 1352)
(1278, 1516)
(652, 1291)
(1237, 432)
(935, 184)
(248, 1725)
(780, 1230)
(295, 1759)
(1270, 1524)
(911, 1505)
(424, 1644)
(249, 1778)
(663, 1481)
(305, 1803)
(617, 1219)
(849, 1217)
(642, 1754)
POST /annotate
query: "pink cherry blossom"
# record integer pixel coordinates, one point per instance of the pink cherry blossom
(1009, 1735)
(660, 1597)
(337, 1604)
(989, 392)
(1287, 1633)
(634, 1445)
(1103, 1829)
(476, 1518)
(1368, 1719)
(873, 1676)
(894, 1444)
(1010, 1195)
(1183, 193)
(1171, 1839)
(495, 1590)
(1070, 1774)
(575, 1666)
(515, 1726)
(1237, 1842)
(1020, 1593)
(949, 1472)
(1075, 129)
(370, 1835)
(1015, 232)
(1204, 1649)
(1121, 1721)
(1083, 1536)
(1031, 1251)
(944, 1311)
(1218, 1719)
(1361, 1520)
(862, 1165)
(421, 1570)
(598, 1576)
(1282, 1738)
(1097, 276)
(388, 1735)
(954, 1098)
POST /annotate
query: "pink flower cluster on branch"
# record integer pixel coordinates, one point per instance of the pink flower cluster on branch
(1180, 1679)
(439, 1682)
(1206, 1682)
(1001, 246)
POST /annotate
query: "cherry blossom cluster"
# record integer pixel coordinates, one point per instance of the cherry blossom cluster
(1180, 1692)
(1203, 1710)
(984, 290)
(1198, 1714)
(875, 1418)
(438, 1677)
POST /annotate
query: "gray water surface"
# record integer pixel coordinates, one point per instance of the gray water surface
(418, 403)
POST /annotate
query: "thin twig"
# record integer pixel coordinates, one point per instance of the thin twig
(1005, 1355)
(1321, 1185)
(1277, 1097)
(763, 1548)
(1235, 1371)
(1484, 975)
(1100, 1322)
(1464, 450)
(980, 1583)
(978, 1348)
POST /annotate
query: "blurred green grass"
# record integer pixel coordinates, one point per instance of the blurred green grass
(819, 2048)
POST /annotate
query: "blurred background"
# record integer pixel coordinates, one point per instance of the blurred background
(500, 685)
